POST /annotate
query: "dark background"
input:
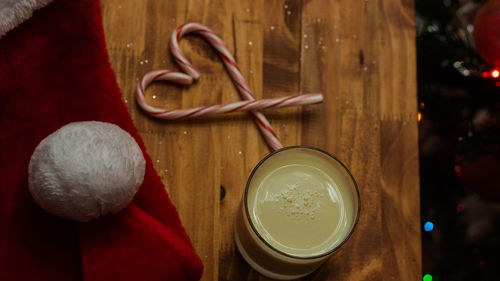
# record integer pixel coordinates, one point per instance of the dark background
(459, 139)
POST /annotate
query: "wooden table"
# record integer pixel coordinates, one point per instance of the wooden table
(359, 54)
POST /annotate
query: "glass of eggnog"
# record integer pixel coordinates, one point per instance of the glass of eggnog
(300, 205)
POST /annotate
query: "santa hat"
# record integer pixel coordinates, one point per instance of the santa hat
(54, 69)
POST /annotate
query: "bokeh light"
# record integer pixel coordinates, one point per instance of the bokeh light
(428, 226)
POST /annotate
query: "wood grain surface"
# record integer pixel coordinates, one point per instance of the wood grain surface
(359, 53)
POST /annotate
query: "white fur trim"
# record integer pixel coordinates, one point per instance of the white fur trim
(14, 12)
(86, 169)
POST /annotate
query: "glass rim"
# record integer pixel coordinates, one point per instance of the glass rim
(356, 219)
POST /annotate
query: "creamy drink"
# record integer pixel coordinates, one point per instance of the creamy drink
(300, 205)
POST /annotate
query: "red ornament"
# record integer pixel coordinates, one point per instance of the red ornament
(487, 32)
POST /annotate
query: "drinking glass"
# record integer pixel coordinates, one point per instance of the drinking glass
(300, 205)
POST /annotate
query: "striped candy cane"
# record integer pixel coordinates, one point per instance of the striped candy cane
(250, 104)
(181, 78)
(232, 68)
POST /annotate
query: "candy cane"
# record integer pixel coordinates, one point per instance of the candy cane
(231, 66)
(249, 105)
(182, 78)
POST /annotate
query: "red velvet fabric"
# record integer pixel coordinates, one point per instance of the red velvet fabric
(54, 69)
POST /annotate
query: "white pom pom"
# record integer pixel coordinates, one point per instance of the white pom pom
(86, 169)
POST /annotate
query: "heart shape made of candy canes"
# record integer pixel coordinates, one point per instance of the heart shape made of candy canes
(250, 104)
